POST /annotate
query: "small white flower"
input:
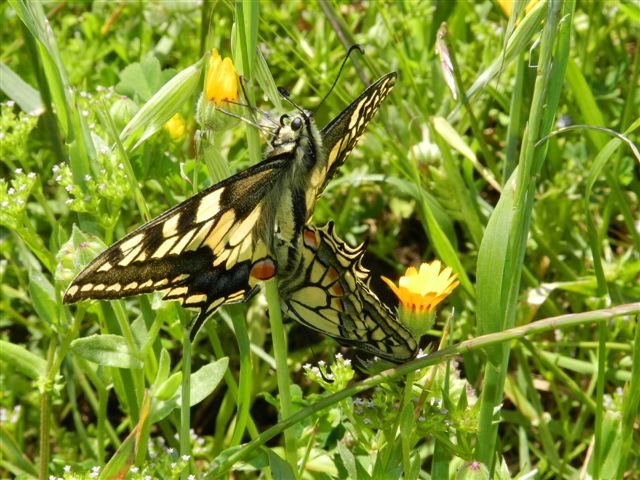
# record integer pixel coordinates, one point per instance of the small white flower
(18, 171)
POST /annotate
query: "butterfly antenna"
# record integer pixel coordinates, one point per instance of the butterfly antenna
(335, 81)
(285, 95)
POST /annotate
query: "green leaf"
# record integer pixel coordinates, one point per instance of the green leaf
(279, 467)
(169, 388)
(203, 383)
(161, 106)
(348, 460)
(205, 380)
(107, 350)
(22, 360)
(27, 97)
(13, 457)
(43, 296)
(141, 80)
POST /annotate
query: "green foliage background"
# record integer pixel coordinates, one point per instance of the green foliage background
(526, 184)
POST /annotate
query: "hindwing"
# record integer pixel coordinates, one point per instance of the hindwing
(329, 292)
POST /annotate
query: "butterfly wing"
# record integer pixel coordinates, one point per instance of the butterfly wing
(330, 293)
(340, 135)
(203, 252)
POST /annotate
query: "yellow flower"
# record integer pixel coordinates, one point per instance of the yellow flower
(507, 6)
(421, 290)
(175, 126)
(221, 81)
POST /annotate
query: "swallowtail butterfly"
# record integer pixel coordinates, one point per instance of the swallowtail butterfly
(216, 246)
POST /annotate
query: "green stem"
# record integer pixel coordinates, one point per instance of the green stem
(185, 408)
(244, 381)
(279, 339)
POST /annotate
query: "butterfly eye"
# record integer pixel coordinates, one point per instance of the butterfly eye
(296, 124)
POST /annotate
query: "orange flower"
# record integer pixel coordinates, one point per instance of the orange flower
(221, 81)
(422, 290)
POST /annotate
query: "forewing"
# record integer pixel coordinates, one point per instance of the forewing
(204, 252)
(343, 132)
(330, 293)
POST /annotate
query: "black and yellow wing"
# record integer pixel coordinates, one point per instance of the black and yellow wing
(341, 134)
(329, 292)
(204, 252)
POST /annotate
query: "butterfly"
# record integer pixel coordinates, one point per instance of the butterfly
(329, 292)
(215, 247)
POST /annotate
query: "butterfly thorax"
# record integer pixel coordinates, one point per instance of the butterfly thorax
(297, 144)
